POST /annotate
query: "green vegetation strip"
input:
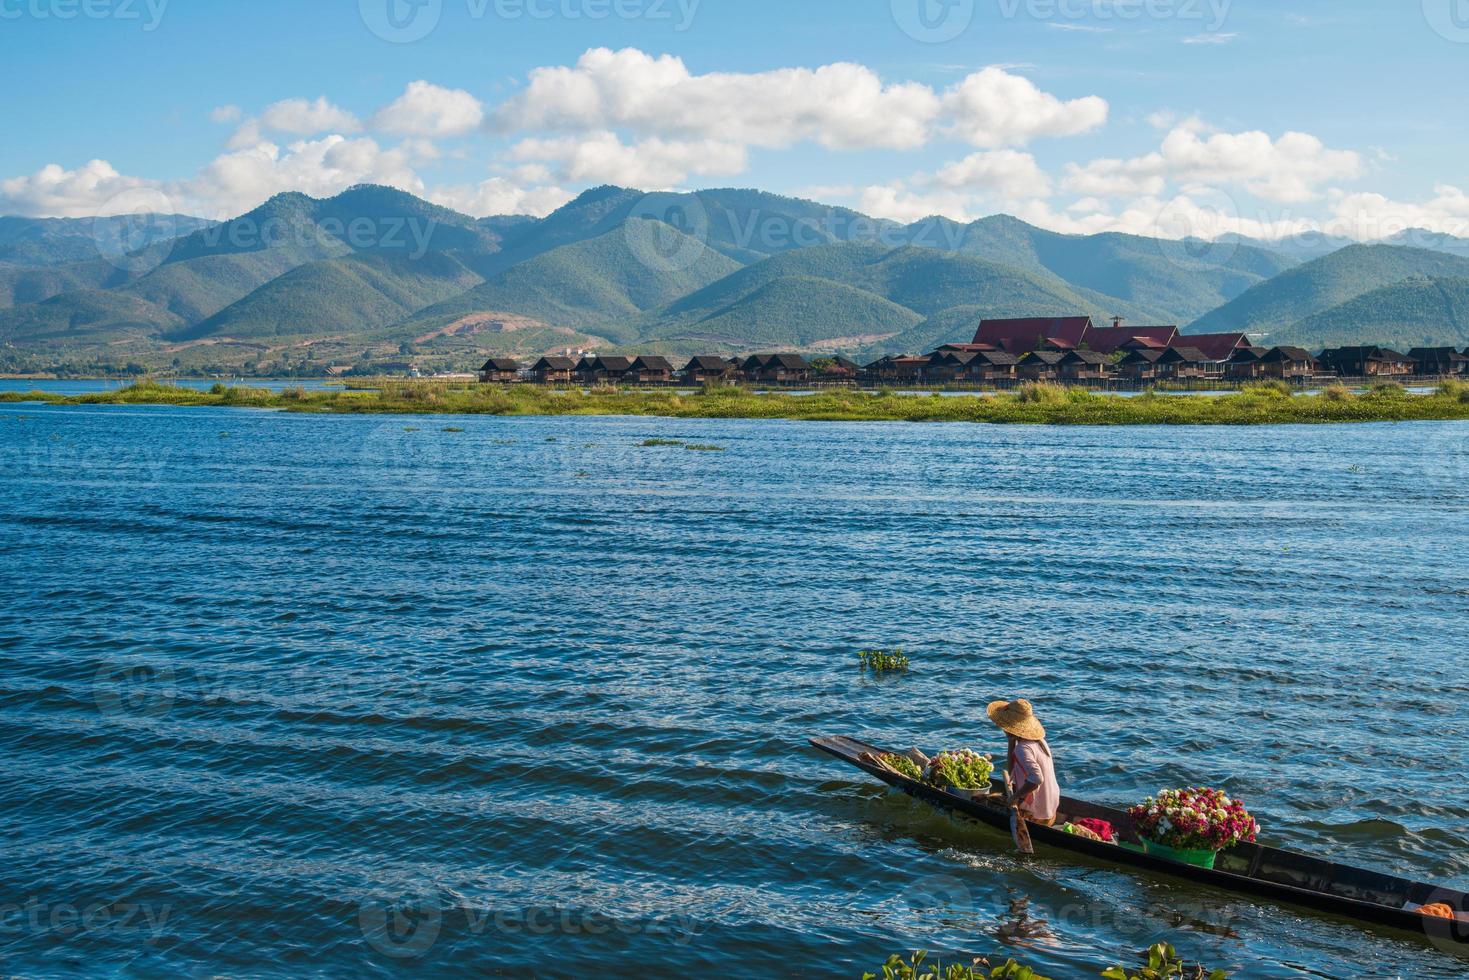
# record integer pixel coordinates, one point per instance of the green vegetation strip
(1036, 404)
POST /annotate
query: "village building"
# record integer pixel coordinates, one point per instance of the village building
(905, 369)
(1041, 365)
(1244, 364)
(1214, 346)
(499, 370)
(1289, 364)
(552, 370)
(835, 369)
(776, 368)
(1085, 365)
(1188, 364)
(947, 365)
(709, 369)
(1438, 361)
(1110, 340)
(1366, 362)
(649, 369)
(1140, 364)
(603, 370)
(1026, 334)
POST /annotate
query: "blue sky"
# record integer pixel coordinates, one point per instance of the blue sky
(1176, 116)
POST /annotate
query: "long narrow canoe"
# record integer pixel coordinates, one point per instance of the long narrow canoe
(1251, 869)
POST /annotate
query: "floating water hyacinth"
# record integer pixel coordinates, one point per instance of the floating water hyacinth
(883, 661)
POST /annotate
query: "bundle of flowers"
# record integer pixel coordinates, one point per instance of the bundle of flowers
(960, 769)
(1196, 819)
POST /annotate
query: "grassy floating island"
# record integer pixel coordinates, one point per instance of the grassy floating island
(1262, 404)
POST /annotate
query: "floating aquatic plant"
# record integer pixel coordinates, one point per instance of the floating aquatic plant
(883, 661)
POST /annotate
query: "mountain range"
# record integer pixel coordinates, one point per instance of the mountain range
(376, 276)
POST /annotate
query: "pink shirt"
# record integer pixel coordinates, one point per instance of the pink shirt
(1033, 764)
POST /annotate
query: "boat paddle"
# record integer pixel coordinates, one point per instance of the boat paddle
(1018, 828)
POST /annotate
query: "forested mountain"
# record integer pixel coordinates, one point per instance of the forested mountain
(378, 275)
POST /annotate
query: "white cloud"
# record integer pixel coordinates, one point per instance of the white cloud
(1368, 216)
(962, 190)
(1212, 37)
(840, 106)
(1187, 215)
(994, 108)
(225, 114)
(430, 111)
(95, 188)
(308, 118)
(897, 203)
(651, 164)
(238, 181)
(1006, 174)
(501, 195)
(1290, 169)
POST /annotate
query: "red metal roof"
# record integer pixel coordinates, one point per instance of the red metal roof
(1106, 340)
(1215, 346)
(1024, 334)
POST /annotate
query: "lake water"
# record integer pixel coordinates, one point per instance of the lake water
(536, 698)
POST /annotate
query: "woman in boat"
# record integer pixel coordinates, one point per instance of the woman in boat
(1032, 772)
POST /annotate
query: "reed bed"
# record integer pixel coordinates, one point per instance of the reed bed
(1038, 404)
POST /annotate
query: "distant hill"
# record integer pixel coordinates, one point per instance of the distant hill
(1146, 272)
(47, 242)
(795, 312)
(600, 284)
(919, 282)
(84, 318)
(1433, 240)
(1324, 283)
(375, 274)
(1417, 312)
(346, 295)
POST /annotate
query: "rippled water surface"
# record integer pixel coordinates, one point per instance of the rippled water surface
(300, 695)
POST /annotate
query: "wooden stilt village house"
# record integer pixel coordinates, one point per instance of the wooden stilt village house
(835, 370)
(1438, 362)
(1289, 364)
(1140, 364)
(1367, 362)
(710, 369)
(1188, 364)
(610, 369)
(889, 370)
(777, 368)
(970, 364)
(649, 369)
(1085, 365)
(1041, 365)
(500, 370)
(553, 370)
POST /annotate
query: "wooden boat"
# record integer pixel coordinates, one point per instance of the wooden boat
(1251, 869)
